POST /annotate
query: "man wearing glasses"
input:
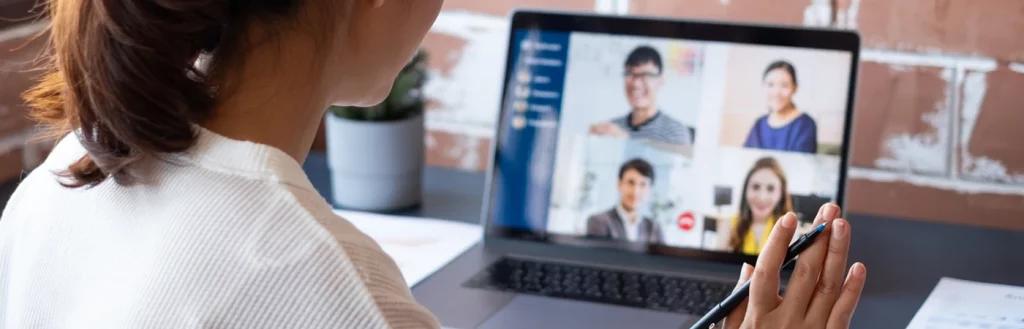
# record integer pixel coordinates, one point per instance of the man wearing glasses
(643, 81)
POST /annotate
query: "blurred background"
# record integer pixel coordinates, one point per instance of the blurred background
(936, 129)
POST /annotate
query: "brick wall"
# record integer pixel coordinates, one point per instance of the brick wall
(937, 117)
(17, 53)
(15, 12)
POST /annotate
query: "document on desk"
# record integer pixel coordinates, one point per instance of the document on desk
(965, 304)
(420, 246)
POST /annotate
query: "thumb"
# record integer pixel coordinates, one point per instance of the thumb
(735, 318)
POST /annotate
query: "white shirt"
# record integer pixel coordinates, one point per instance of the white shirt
(632, 230)
(230, 235)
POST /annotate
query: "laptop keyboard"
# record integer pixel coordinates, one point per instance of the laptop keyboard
(593, 284)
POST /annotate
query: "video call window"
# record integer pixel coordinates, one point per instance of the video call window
(793, 100)
(626, 220)
(643, 79)
(699, 145)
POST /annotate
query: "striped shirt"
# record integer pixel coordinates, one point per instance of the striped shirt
(659, 128)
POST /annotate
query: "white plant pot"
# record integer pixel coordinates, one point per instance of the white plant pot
(375, 166)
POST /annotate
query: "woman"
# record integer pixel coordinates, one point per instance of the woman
(763, 200)
(784, 128)
(179, 200)
(176, 198)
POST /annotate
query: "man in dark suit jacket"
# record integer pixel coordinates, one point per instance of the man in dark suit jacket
(624, 221)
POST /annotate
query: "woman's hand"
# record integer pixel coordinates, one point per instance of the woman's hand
(820, 295)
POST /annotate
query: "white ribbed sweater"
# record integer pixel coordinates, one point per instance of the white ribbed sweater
(230, 235)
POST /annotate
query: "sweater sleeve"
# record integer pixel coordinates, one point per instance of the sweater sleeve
(388, 293)
(383, 280)
(302, 276)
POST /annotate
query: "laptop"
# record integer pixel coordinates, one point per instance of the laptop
(638, 162)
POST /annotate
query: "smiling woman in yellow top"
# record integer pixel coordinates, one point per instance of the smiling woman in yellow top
(764, 199)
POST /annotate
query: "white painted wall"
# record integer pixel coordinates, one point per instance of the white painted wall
(472, 92)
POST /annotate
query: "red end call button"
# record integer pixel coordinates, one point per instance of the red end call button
(686, 221)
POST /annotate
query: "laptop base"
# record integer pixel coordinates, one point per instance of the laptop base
(461, 307)
(526, 311)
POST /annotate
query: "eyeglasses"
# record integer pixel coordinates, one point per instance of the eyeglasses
(646, 76)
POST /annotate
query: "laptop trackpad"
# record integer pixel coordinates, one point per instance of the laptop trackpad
(526, 311)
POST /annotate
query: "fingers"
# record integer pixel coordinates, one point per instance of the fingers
(842, 312)
(804, 280)
(764, 285)
(745, 272)
(820, 218)
(735, 318)
(831, 282)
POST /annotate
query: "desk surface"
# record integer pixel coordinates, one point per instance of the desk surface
(905, 258)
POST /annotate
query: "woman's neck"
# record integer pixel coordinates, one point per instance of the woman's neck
(760, 221)
(785, 111)
(783, 116)
(275, 98)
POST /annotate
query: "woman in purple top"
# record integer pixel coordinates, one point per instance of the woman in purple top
(784, 128)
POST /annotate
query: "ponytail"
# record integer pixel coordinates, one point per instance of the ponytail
(122, 76)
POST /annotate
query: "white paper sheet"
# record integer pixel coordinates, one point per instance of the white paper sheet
(420, 246)
(964, 304)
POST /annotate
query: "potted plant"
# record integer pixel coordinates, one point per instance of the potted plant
(376, 154)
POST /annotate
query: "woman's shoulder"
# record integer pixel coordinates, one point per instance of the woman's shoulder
(66, 150)
(760, 124)
(805, 119)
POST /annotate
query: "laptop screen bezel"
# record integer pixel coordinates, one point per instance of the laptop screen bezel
(751, 34)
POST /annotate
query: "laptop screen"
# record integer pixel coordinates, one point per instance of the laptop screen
(657, 144)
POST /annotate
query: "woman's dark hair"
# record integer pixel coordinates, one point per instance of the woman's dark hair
(122, 75)
(746, 216)
(780, 64)
(640, 165)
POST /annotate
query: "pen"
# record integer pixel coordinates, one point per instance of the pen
(720, 311)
